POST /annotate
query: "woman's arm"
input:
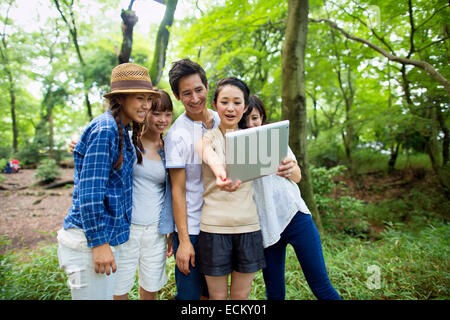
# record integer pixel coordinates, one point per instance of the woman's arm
(289, 169)
(94, 176)
(209, 156)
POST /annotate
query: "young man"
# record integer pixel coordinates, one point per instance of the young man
(190, 86)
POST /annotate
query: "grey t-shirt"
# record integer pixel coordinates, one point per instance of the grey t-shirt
(149, 182)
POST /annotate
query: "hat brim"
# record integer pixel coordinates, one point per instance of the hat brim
(130, 91)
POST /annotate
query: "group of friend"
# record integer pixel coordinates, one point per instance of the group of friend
(140, 197)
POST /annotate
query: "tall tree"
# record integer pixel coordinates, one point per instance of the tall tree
(129, 20)
(293, 94)
(11, 81)
(67, 14)
(50, 45)
(162, 41)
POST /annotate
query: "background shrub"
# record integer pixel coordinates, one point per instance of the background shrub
(47, 171)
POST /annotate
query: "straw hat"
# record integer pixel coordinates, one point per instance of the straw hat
(130, 78)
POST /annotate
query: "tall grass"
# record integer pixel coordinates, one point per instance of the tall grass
(32, 276)
(412, 266)
(411, 256)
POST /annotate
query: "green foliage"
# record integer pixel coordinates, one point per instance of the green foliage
(29, 155)
(344, 214)
(47, 171)
(322, 179)
(244, 39)
(32, 276)
(326, 150)
(413, 265)
(3, 163)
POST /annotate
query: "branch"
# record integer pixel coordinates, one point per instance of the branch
(432, 43)
(382, 40)
(130, 6)
(413, 30)
(418, 63)
(430, 17)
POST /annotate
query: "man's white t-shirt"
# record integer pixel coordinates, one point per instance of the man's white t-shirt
(179, 147)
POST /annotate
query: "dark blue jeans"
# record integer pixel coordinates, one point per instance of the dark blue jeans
(302, 234)
(193, 285)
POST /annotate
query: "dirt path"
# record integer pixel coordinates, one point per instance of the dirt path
(33, 214)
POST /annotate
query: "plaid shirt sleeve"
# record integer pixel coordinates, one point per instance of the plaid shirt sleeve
(97, 164)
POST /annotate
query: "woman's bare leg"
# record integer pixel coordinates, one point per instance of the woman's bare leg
(121, 297)
(217, 287)
(241, 284)
(146, 295)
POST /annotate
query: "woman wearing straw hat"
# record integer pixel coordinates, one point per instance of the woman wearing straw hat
(99, 219)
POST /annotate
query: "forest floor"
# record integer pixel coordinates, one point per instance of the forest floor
(30, 214)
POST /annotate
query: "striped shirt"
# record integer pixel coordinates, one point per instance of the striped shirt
(102, 195)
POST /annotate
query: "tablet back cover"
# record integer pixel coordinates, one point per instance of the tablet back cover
(255, 152)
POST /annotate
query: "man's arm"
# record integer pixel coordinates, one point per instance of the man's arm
(185, 252)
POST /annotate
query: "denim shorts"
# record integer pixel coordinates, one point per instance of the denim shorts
(221, 254)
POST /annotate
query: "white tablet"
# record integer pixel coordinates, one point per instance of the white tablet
(255, 152)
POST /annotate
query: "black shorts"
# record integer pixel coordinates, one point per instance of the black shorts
(221, 254)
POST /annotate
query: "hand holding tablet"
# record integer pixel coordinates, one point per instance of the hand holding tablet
(255, 152)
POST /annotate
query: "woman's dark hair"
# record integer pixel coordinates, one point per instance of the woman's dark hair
(232, 81)
(254, 102)
(116, 109)
(163, 103)
(182, 68)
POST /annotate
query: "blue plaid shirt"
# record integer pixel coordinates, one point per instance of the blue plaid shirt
(102, 195)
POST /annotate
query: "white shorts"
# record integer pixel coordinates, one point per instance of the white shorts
(146, 248)
(75, 258)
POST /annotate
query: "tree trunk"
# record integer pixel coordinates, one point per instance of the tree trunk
(51, 135)
(393, 157)
(12, 95)
(74, 36)
(12, 91)
(294, 95)
(129, 20)
(432, 149)
(446, 138)
(162, 41)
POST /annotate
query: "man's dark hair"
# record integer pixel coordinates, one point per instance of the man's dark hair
(182, 68)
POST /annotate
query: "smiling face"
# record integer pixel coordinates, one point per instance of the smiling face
(192, 94)
(135, 107)
(254, 119)
(157, 121)
(230, 106)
